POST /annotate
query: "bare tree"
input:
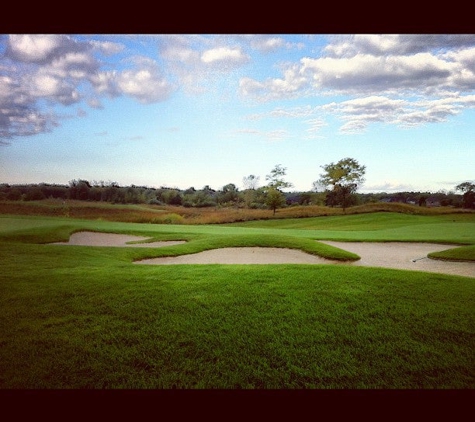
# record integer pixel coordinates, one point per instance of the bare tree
(250, 182)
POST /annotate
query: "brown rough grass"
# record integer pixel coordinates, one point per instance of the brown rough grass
(143, 213)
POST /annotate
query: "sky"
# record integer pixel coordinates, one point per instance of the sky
(190, 110)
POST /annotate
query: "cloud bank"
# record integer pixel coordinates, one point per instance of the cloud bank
(403, 80)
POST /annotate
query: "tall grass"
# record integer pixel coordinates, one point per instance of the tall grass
(213, 215)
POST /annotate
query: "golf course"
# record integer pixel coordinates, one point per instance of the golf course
(78, 311)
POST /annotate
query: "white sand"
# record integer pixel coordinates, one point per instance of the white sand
(112, 239)
(405, 256)
(250, 255)
(400, 255)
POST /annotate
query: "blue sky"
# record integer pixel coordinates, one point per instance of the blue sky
(193, 110)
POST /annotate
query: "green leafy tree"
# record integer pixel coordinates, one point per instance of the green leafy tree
(206, 197)
(276, 178)
(468, 190)
(229, 194)
(274, 199)
(341, 180)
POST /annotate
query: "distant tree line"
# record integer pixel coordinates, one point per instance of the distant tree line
(336, 187)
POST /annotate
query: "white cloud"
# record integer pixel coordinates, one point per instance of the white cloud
(95, 103)
(34, 48)
(276, 135)
(395, 44)
(388, 74)
(18, 116)
(145, 85)
(359, 113)
(197, 61)
(249, 87)
(63, 70)
(184, 55)
(224, 58)
(434, 114)
(77, 65)
(354, 126)
(315, 125)
(108, 48)
(377, 70)
(46, 85)
(21, 121)
(293, 112)
(104, 83)
(40, 67)
(267, 44)
(178, 48)
(7, 88)
(292, 84)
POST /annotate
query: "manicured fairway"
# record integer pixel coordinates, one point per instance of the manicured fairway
(87, 317)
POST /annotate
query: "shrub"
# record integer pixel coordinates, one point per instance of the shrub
(168, 219)
(35, 194)
(173, 219)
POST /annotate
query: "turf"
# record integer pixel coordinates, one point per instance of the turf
(87, 318)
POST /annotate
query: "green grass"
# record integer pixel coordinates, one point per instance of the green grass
(383, 227)
(86, 317)
(466, 253)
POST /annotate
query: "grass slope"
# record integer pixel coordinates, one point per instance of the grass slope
(93, 321)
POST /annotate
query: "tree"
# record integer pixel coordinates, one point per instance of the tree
(274, 196)
(250, 184)
(343, 178)
(14, 194)
(423, 200)
(274, 199)
(79, 189)
(229, 194)
(468, 190)
(276, 178)
(34, 194)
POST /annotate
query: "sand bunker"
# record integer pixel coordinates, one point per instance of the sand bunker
(399, 255)
(112, 239)
(250, 255)
(405, 256)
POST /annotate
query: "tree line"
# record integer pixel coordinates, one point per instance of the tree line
(336, 187)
